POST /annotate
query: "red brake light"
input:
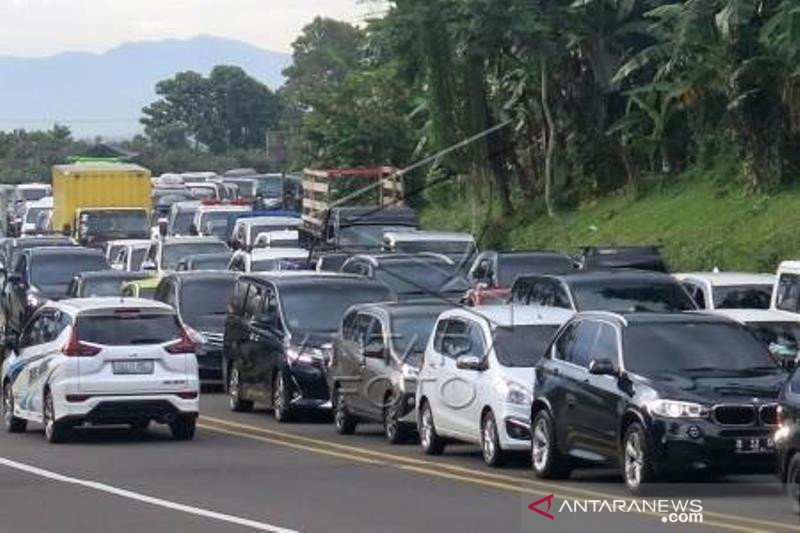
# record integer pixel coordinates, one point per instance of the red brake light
(211, 201)
(182, 345)
(241, 201)
(76, 348)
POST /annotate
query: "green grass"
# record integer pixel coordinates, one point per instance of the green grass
(698, 226)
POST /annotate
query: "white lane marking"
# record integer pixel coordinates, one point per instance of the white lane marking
(102, 487)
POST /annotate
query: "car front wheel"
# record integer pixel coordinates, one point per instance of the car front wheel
(280, 400)
(345, 422)
(637, 467)
(11, 422)
(431, 442)
(54, 431)
(793, 482)
(237, 404)
(493, 455)
(546, 460)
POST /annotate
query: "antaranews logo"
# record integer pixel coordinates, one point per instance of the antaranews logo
(671, 510)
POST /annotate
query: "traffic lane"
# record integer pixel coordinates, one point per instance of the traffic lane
(753, 499)
(259, 481)
(32, 504)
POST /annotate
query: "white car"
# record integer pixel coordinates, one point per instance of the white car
(247, 230)
(278, 239)
(270, 259)
(213, 220)
(460, 247)
(101, 361)
(477, 374)
(127, 254)
(31, 217)
(728, 290)
(778, 330)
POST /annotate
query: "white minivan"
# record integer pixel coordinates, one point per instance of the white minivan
(476, 378)
(101, 361)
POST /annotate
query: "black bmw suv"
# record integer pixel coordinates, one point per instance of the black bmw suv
(277, 336)
(787, 439)
(655, 394)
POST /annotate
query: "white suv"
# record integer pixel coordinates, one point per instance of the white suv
(477, 374)
(101, 361)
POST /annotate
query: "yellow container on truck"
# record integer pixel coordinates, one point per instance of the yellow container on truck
(83, 187)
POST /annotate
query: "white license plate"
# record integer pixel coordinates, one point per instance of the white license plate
(132, 367)
(754, 445)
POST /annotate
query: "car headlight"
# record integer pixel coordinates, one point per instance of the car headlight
(305, 355)
(513, 392)
(677, 409)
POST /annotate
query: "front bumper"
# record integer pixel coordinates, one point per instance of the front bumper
(514, 426)
(702, 445)
(308, 385)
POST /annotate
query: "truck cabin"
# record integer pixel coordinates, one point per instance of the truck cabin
(96, 226)
(363, 228)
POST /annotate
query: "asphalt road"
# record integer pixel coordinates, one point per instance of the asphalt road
(245, 472)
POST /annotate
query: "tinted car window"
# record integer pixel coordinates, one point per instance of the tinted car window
(101, 287)
(59, 269)
(410, 336)
(743, 297)
(652, 349)
(632, 295)
(512, 266)
(788, 294)
(420, 278)
(319, 307)
(173, 253)
(522, 346)
(605, 347)
(182, 223)
(781, 338)
(203, 303)
(128, 329)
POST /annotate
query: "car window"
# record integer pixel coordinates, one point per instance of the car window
(129, 329)
(756, 296)
(699, 297)
(349, 326)
(255, 302)
(788, 294)
(438, 338)
(239, 297)
(605, 346)
(463, 338)
(32, 334)
(575, 345)
(375, 333)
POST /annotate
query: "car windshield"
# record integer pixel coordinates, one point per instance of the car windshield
(420, 279)
(137, 258)
(56, 269)
(32, 195)
(216, 223)
(247, 188)
(512, 266)
(173, 253)
(33, 214)
(203, 303)
(270, 187)
(781, 338)
(743, 297)
(93, 288)
(688, 347)
(182, 224)
(128, 329)
(364, 234)
(632, 295)
(269, 265)
(522, 346)
(219, 262)
(133, 224)
(319, 307)
(410, 336)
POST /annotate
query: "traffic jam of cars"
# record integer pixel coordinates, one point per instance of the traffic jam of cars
(126, 296)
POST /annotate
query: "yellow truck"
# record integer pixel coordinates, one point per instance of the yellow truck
(97, 201)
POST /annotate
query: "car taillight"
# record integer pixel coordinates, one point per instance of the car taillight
(182, 345)
(76, 348)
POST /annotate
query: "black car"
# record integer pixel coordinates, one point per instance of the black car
(215, 261)
(43, 274)
(619, 291)
(605, 257)
(376, 358)
(412, 276)
(102, 283)
(12, 248)
(331, 262)
(787, 438)
(361, 229)
(275, 332)
(500, 269)
(201, 300)
(655, 394)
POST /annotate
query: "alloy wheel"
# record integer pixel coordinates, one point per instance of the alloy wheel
(426, 431)
(233, 388)
(48, 418)
(540, 445)
(489, 439)
(634, 460)
(8, 406)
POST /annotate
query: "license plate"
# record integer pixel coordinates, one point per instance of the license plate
(132, 367)
(754, 445)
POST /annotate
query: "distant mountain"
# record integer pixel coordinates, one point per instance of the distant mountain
(103, 94)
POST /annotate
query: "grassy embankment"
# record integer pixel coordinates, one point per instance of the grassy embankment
(698, 225)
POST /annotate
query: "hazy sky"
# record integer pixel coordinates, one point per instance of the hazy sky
(44, 27)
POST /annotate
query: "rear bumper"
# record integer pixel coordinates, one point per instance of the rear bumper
(125, 409)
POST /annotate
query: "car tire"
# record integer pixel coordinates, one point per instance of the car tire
(280, 399)
(546, 460)
(11, 422)
(55, 432)
(395, 431)
(637, 465)
(493, 454)
(793, 482)
(183, 427)
(344, 421)
(431, 442)
(238, 405)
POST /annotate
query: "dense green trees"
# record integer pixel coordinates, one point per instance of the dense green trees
(28, 155)
(598, 95)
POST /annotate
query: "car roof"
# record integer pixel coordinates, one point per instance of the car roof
(82, 305)
(639, 317)
(187, 205)
(729, 278)
(129, 242)
(415, 236)
(39, 240)
(307, 277)
(197, 275)
(60, 250)
(251, 221)
(114, 274)
(755, 315)
(590, 276)
(423, 257)
(224, 208)
(407, 309)
(215, 255)
(278, 253)
(511, 315)
(189, 240)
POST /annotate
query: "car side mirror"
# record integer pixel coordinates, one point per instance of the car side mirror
(602, 367)
(470, 362)
(374, 350)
